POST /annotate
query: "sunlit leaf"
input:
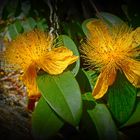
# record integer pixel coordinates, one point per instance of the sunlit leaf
(63, 95)
(45, 122)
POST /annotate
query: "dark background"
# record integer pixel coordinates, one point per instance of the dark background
(79, 9)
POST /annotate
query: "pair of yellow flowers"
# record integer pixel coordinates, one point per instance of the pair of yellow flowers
(106, 50)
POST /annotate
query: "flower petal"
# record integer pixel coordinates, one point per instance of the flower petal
(132, 72)
(16, 57)
(100, 88)
(99, 33)
(27, 47)
(57, 60)
(137, 35)
(29, 79)
(97, 25)
(105, 79)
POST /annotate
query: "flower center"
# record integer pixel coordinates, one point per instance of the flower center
(111, 57)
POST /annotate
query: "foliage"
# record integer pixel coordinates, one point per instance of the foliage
(66, 103)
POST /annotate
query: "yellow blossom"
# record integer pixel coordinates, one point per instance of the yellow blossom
(36, 50)
(109, 50)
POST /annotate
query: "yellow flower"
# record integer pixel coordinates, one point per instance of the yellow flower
(109, 50)
(36, 50)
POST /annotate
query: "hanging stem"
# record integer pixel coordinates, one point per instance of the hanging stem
(53, 17)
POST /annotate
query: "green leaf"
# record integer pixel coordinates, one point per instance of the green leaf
(92, 77)
(135, 117)
(42, 25)
(84, 27)
(74, 30)
(68, 42)
(12, 32)
(83, 81)
(103, 122)
(111, 19)
(18, 26)
(15, 29)
(45, 122)
(97, 120)
(62, 93)
(121, 98)
(86, 79)
(29, 24)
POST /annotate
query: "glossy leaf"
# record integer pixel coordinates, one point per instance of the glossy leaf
(62, 93)
(121, 98)
(98, 120)
(68, 42)
(45, 122)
